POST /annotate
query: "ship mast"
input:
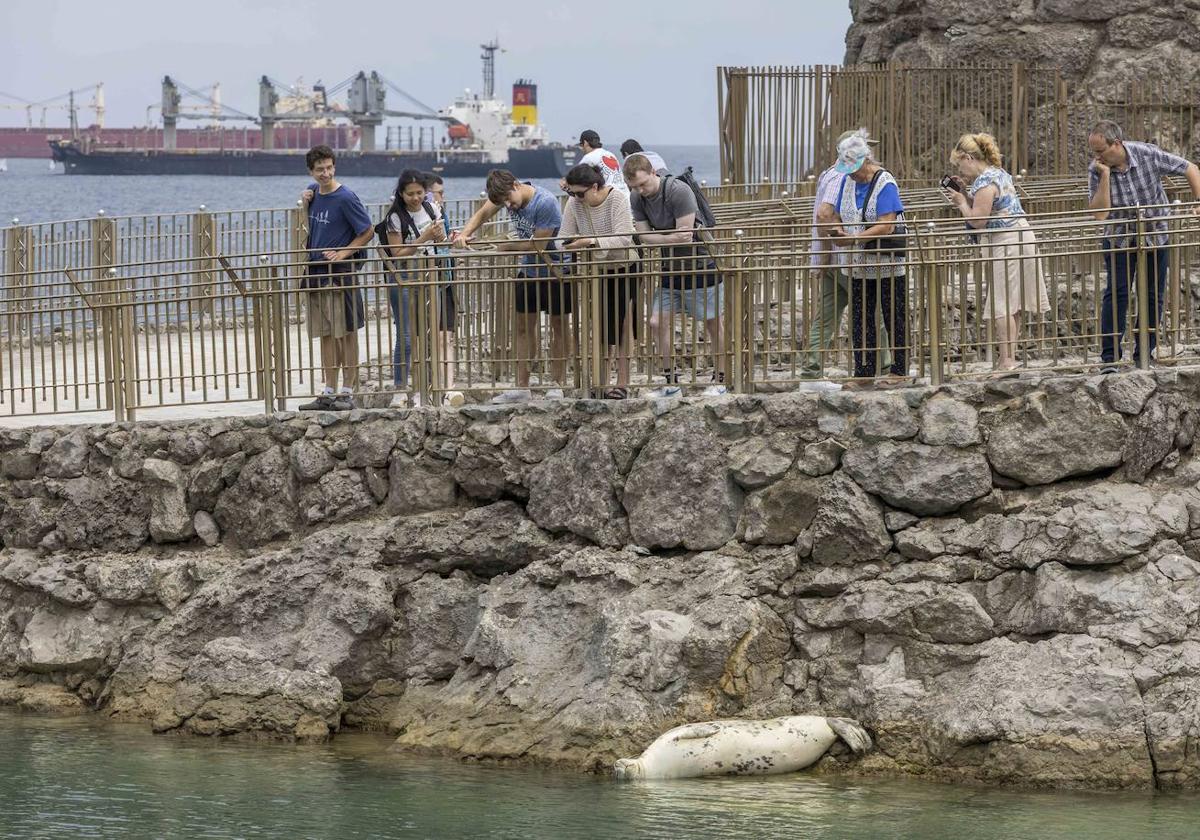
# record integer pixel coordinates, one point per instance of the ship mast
(489, 67)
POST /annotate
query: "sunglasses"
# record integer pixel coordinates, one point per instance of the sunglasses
(575, 193)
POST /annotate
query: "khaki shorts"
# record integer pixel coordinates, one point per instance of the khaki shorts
(333, 312)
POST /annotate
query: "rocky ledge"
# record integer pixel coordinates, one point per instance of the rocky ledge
(1001, 580)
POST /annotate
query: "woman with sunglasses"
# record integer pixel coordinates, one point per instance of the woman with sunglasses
(598, 217)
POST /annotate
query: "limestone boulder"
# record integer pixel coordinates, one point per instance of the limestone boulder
(485, 541)
(777, 514)
(679, 492)
(67, 457)
(574, 490)
(230, 688)
(260, 506)
(1044, 440)
(170, 520)
(419, 484)
(922, 479)
(848, 527)
(337, 496)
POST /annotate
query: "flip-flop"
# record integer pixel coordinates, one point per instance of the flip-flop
(617, 393)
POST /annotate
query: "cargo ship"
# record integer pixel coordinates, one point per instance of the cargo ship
(481, 133)
(21, 142)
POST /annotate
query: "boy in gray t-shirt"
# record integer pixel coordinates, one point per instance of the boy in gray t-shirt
(690, 282)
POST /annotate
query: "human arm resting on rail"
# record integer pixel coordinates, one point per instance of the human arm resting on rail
(1099, 191)
(486, 212)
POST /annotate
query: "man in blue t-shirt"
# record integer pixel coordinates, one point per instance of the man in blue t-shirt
(338, 226)
(536, 217)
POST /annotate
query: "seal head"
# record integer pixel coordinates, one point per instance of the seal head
(628, 769)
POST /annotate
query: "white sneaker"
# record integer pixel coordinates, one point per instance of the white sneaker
(819, 385)
(516, 395)
(399, 400)
(453, 399)
(715, 391)
(554, 394)
(663, 391)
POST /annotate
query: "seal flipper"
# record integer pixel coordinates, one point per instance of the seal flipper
(696, 730)
(855, 736)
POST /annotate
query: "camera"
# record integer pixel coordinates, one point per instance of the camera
(949, 182)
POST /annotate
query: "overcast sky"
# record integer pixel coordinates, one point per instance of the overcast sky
(643, 68)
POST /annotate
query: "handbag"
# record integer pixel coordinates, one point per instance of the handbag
(894, 245)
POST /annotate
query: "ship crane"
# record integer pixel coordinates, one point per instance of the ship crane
(171, 113)
(96, 105)
(367, 106)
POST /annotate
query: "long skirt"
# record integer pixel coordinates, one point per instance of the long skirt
(1017, 281)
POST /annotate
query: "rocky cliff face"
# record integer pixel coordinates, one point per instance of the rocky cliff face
(1001, 581)
(1104, 44)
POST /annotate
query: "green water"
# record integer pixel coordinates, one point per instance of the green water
(81, 778)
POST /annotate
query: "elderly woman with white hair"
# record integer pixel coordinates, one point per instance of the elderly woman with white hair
(871, 214)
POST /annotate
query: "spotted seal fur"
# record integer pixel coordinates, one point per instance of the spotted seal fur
(742, 747)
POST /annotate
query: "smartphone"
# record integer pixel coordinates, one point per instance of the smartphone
(949, 182)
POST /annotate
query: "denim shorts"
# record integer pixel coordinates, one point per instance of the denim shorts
(704, 302)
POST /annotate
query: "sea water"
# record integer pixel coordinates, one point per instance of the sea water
(85, 778)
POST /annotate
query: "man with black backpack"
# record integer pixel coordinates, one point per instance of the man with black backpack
(338, 228)
(690, 281)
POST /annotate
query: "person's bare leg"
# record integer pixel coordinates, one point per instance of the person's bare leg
(446, 346)
(526, 324)
(349, 359)
(329, 361)
(624, 351)
(560, 347)
(660, 326)
(1006, 334)
(716, 336)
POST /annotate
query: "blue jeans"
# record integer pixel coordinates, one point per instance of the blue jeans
(1121, 267)
(402, 351)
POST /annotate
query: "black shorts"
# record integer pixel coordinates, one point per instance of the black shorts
(550, 296)
(447, 310)
(620, 302)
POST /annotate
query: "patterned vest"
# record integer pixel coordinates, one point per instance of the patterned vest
(868, 265)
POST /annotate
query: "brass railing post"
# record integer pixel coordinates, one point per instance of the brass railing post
(433, 280)
(103, 255)
(597, 288)
(1143, 307)
(736, 338)
(260, 311)
(204, 252)
(933, 308)
(279, 346)
(17, 270)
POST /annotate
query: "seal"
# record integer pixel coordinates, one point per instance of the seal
(742, 747)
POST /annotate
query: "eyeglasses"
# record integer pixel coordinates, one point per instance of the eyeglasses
(574, 193)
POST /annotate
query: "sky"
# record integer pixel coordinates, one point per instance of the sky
(643, 69)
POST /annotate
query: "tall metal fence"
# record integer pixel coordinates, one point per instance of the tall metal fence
(781, 123)
(106, 315)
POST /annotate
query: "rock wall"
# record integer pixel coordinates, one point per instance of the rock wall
(1000, 580)
(1104, 44)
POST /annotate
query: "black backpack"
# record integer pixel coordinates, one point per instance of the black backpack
(704, 213)
(407, 226)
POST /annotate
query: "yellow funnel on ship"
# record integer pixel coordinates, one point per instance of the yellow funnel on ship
(524, 102)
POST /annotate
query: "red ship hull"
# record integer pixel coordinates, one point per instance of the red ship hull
(33, 142)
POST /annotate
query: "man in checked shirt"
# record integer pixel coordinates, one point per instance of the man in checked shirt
(1123, 175)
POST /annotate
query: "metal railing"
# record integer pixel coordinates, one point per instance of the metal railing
(117, 332)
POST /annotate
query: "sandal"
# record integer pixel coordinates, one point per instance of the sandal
(617, 393)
